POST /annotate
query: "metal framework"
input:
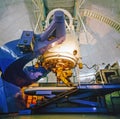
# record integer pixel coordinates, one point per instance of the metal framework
(86, 98)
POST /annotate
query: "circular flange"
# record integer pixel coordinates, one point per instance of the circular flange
(55, 60)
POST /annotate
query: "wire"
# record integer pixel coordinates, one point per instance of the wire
(95, 66)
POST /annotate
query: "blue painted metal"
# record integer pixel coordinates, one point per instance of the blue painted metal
(15, 54)
(9, 95)
(3, 101)
(26, 43)
(65, 110)
(25, 112)
(73, 110)
(13, 97)
(43, 92)
(83, 95)
(35, 73)
(84, 102)
(89, 98)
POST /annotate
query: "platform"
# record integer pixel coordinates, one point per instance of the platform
(104, 88)
(85, 98)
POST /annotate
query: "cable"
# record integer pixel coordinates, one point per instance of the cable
(95, 66)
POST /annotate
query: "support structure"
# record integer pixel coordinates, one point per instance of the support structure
(86, 98)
